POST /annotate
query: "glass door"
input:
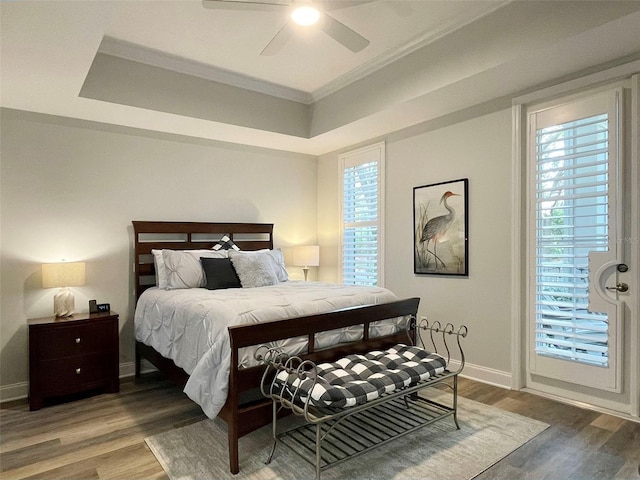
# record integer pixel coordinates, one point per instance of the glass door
(575, 219)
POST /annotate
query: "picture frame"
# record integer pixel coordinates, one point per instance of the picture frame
(440, 228)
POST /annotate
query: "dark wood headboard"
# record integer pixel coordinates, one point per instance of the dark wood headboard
(190, 236)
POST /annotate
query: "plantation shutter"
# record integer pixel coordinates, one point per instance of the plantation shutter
(361, 197)
(571, 220)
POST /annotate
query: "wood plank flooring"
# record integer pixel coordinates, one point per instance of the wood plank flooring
(102, 437)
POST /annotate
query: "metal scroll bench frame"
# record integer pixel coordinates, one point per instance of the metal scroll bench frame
(342, 433)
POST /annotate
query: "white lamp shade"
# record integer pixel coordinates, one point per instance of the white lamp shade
(63, 274)
(306, 256)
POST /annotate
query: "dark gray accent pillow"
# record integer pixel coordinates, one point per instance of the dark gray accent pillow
(219, 273)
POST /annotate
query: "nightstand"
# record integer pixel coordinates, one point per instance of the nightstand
(72, 355)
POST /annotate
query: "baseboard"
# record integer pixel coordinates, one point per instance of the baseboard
(497, 378)
(127, 369)
(16, 391)
(584, 405)
(19, 391)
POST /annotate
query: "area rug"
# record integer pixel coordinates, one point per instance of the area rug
(437, 451)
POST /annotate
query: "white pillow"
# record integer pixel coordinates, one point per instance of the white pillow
(255, 270)
(277, 259)
(161, 272)
(184, 269)
(281, 270)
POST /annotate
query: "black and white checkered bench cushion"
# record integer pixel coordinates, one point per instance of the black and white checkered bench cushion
(356, 379)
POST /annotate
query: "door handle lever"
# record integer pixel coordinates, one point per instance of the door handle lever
(620, 287)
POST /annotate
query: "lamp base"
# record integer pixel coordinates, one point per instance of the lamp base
(306, 272)
(63, 303)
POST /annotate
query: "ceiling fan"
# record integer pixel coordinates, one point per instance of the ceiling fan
(302, 12)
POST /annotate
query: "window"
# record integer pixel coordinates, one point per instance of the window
(362, 215)
(571, 220)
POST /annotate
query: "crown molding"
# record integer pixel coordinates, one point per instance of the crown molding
(390, 56)
(156, 58)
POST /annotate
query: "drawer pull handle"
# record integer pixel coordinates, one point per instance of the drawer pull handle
(78, 340)
(78, 370)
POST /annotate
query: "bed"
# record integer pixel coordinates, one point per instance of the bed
(216, 365)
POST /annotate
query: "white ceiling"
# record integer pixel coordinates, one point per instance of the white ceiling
(232, 39)
(423, 58)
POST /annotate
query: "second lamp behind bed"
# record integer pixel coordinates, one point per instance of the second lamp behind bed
(306, 256)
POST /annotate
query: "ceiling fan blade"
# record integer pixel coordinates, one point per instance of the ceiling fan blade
(266, 5)
(343, 34)
(278, 41)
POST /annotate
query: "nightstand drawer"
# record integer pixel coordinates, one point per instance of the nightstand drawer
(72, 340)
(71, 374)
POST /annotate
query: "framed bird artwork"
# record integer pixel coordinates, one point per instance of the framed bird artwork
(440, 224)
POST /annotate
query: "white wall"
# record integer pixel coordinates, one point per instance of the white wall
(71, 189)
(478, 149)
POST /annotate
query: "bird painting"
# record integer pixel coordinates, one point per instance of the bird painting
(440, 225)
(437, 227)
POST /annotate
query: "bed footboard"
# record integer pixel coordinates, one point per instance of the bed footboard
(243, 417)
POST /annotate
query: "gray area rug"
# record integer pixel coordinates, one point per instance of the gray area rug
(438, 451)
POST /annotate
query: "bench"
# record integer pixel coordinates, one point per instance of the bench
(361, 401)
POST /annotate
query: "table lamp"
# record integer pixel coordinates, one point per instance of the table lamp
(305, 257)
(63, 275)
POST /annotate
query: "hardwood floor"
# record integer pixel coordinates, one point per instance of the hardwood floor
(98, 437)
(580, 444)
(102, 437)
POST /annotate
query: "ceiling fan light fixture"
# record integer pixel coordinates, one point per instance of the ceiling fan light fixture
(305, 15)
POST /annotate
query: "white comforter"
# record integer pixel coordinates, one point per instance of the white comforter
(189, 326)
